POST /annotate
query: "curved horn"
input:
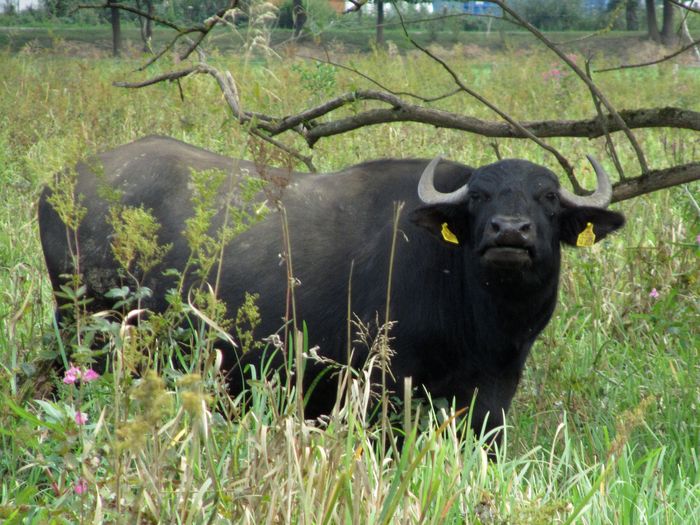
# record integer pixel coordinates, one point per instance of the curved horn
(426, 187)
(600, 198)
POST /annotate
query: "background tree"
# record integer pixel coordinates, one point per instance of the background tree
(299, 17)
(652, 25)
(115, 20)
(631, 16)
(667, 35)
(380, 22)
(146, 23)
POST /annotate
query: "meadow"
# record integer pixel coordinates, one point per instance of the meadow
(605, 428)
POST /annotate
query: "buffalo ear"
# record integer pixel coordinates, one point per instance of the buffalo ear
(440, 220)
(574, 221)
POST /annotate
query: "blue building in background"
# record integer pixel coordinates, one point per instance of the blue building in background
(487, 8)
(470, 8)
(595, 5)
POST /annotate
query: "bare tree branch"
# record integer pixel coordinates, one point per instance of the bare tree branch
(356, 6)
(256, 122)
(165, 77)
(608, 139)
(568, 169)
(656, 180)
(686, 7)
(591, 85)
(401, 111)
(319, 122)
(590, 128)
(651, 62)
(202, 29)
(381, 86)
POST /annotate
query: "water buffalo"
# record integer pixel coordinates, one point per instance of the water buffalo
(475, 271)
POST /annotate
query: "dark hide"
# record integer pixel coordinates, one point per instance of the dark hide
(467, 314)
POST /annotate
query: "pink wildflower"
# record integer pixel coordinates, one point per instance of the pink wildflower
(80, 418)
(553, 74)
(697, 239)
(81, 486)
(90, 375)
(72, 375)
(654, 294)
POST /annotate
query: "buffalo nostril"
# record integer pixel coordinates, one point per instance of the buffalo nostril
(506, 229)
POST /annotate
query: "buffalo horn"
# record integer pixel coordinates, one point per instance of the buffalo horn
(600, 198)
(426, 187)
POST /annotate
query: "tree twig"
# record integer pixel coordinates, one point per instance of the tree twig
(651, 62)
(568, 169)
(608, 139)
(591, 85)
(380, 85)
(684, 6)
(202, 29)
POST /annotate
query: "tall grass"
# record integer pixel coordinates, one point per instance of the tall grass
(604, 429)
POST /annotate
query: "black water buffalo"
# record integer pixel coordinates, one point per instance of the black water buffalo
(475, 272)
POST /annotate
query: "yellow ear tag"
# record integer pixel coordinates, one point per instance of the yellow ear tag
(448, 235)
(586, 238)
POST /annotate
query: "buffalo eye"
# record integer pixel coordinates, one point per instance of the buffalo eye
(551, 196)
(475, 197)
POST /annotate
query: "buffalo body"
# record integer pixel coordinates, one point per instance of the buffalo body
(475, 274)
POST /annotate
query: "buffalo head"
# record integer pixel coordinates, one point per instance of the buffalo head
(512, 215)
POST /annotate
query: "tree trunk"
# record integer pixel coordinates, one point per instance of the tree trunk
(632, 22)
(651, 21)
(380, 22)
(298, 16)
(116, 31)
(146, 25)
(668, 36)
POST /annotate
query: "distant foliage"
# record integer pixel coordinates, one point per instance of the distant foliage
(319, 14)
(552, 15)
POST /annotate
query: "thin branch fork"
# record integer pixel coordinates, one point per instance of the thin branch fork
(202, 29)
(568, 169)
(595, 91)
(258, 124)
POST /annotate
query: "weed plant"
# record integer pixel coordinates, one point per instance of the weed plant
(605, 426)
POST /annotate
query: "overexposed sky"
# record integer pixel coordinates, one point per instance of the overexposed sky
(24, 4)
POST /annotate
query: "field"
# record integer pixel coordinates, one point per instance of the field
(605, 428)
